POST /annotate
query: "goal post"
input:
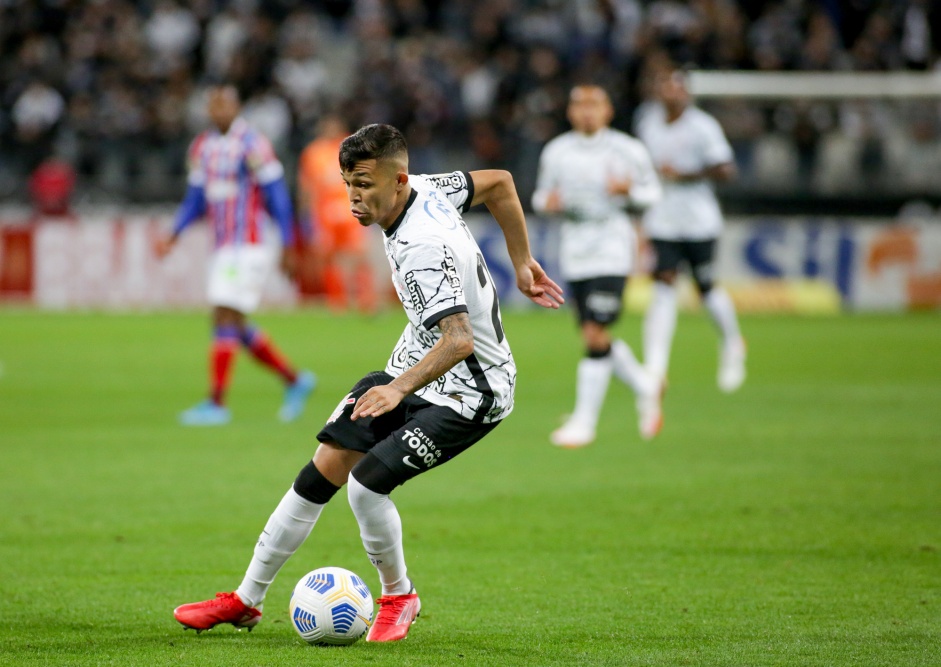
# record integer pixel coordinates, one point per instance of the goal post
(815, 85)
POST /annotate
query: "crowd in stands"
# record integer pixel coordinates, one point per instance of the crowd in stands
(116, 87)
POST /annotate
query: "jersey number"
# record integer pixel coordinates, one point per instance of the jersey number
(483, 275)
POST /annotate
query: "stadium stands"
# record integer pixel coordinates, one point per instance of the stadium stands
(115, 87)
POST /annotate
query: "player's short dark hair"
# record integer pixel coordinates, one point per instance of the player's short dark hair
(372, 142)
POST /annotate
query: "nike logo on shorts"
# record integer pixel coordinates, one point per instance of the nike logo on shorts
(407, 461)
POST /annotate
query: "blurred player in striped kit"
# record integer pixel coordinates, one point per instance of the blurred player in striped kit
(589, 177)
(691, 152)
(234, 176)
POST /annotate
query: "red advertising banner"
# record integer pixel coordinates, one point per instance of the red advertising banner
(16, 262)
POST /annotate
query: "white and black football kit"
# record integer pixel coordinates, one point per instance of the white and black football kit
(684, 228)
(597, 245)
(685, 224)
(438, 270)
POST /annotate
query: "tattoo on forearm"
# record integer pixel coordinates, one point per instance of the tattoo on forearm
(457, 337)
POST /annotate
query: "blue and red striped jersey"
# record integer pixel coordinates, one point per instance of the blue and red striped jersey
(232, 169)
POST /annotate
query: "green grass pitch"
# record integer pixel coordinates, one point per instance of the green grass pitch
(797, 522)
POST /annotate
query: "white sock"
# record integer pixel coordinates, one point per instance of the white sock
(380, 527)
(591, 386)
(287, 528)
(659, 326)
(628, 370)
(722, 310)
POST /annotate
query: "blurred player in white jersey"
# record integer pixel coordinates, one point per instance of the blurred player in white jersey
(690, 152)
(448, 382)
(590, 177)
(234, 176)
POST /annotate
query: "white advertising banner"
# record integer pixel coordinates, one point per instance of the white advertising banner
(102, 260)
(110, 263)
(872, 264)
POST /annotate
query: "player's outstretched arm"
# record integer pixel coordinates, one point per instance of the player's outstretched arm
(192, 208)
(495, 189)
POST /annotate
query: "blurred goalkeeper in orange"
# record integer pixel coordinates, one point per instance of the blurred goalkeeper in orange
(342, 254)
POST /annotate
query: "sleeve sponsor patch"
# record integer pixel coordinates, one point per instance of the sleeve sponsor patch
(415, 293)
(450, 272)
(450, 184)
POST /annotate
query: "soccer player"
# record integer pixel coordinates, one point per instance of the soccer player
(233, 176)
(447, 384)
(590, 176)
(691, 152)
(340, 240)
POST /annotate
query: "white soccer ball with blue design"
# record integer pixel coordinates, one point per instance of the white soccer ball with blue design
(331, 607)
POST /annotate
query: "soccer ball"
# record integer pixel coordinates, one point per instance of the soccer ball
(331, 607)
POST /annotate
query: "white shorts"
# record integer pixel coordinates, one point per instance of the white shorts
(237, 276)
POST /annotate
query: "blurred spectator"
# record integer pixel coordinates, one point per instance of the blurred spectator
(805, 123)
(269, 113)
(877, 47)
(172, 34)
(774, 38)
(299, 72)
(36, 114)
(918, 32)
(821, 50)
(225, 34)
(51, 186)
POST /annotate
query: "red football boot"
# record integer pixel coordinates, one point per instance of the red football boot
(395, 617)
(224, 608)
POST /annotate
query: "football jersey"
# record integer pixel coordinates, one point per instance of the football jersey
(318, 171)
(232, 168)
(596, 236)
(438, 270)
(691, 143)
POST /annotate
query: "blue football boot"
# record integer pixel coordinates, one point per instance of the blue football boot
(296, 395)
(206, 413)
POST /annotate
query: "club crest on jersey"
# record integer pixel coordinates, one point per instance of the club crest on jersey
(415, 293)
(450, 272)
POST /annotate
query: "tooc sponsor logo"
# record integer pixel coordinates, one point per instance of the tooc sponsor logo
(423, 446)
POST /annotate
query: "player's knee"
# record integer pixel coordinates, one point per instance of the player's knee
(703, 280)
(311, 485)
(666, 277)
(596, 338)
(374, 475)
(598, 352)
(359, 494)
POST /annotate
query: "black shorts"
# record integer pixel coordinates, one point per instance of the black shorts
(698, 255)
(411, 439)
(599, 299)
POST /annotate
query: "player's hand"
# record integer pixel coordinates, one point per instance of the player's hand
(289, 262)
(554, 202)
(163, 246)
(619, 186)
(669, 173)
(532, 281)
(377, 401)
